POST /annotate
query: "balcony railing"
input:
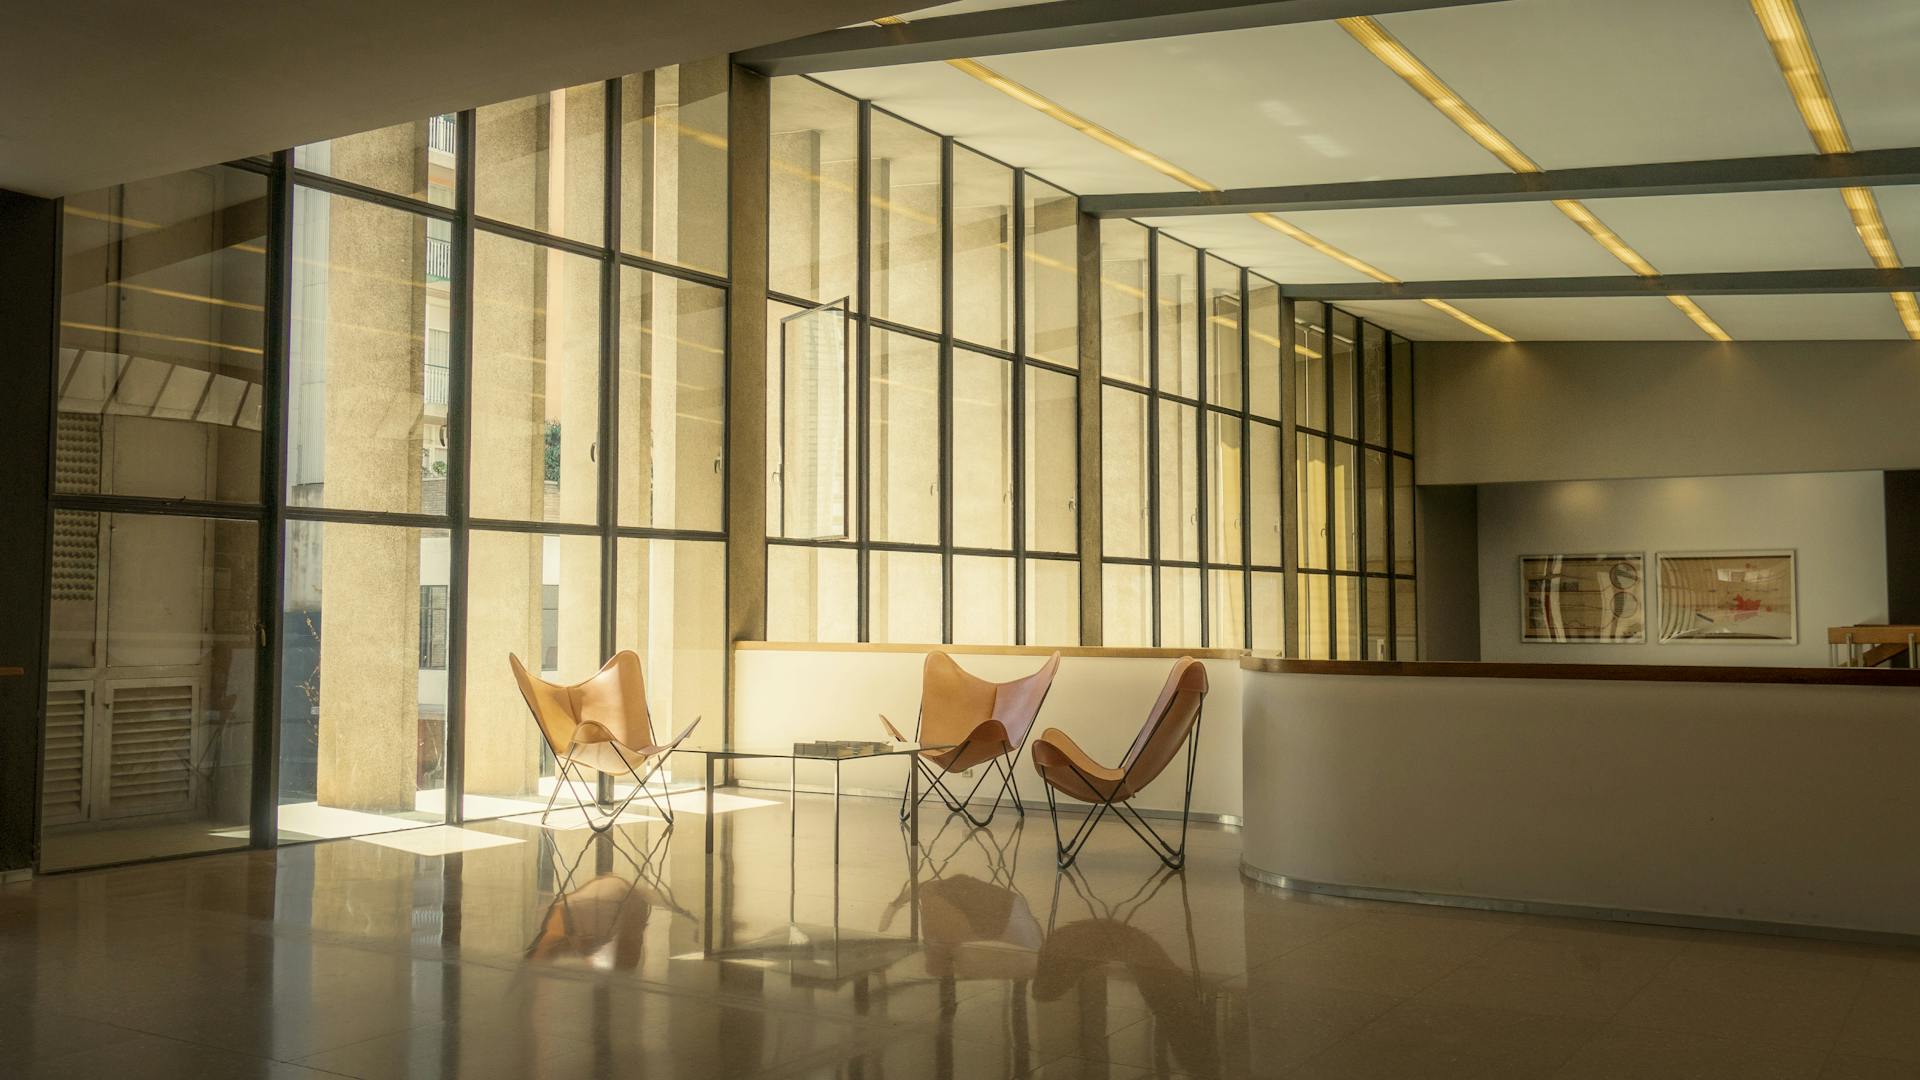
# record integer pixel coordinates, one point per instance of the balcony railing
(440, 131)
(439, 259)
(437, 385)
(439, 356)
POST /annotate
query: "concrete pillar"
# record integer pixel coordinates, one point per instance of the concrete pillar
(748, 120)
(1092, 574)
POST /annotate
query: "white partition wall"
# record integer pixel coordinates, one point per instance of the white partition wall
(788, 693)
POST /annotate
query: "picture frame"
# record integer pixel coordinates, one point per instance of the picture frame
(1584, 599)
(1741, 597)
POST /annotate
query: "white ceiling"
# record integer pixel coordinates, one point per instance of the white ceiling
(1571, 82)
(98, 92)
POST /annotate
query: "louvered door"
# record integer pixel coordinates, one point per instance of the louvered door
(63, 786)
(145, 755)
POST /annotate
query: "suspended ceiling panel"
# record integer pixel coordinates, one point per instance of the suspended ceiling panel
(1613, 82)
(1241, 239)
(1758, 230)
(1413, 319)
(1442, 243)
(1613, 318)
(1828, 316)
(1277, 105)
(1901, 208)
(1868, 50)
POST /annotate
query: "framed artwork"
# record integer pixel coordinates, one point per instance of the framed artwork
(1583, 599)
(1745, 597)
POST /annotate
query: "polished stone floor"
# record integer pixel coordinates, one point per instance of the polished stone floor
(504, 950)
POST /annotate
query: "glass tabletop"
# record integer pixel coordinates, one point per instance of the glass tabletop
(819, 750)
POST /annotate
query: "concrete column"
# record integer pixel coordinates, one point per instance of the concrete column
(748, 107)
(1092, 579)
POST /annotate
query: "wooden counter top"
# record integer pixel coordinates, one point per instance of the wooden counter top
(1814, 676)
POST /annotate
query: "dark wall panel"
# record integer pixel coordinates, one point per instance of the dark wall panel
(1903, 546)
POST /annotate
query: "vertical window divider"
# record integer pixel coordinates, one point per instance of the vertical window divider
(944, 380)
(1153, 430)
(1203, 368)
(863, 359)
(1330, 457)
(459, 440)
(1246, 459)
(1359, 398)
(609, 446)
(1018, 390)
(1386, 494)
(263, 808)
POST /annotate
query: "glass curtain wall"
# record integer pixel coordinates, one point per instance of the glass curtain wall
(922, 409)
(1190, 446)
(504, 413)
(1353, 411)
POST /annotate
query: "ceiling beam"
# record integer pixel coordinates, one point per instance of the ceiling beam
(1785, 172)
(1062, 24)
(1746, 282)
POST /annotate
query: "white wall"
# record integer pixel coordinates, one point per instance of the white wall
(786, 695)
(1835, 522)
(1491, 413)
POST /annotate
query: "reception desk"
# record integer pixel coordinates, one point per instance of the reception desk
(1783, 799)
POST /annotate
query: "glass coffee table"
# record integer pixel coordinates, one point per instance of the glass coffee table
(838, 754)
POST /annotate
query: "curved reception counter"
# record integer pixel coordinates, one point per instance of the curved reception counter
(1779, 799)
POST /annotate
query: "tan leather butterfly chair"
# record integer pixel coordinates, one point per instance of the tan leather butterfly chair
(1069, 770)
(982, 723)
(601, 724)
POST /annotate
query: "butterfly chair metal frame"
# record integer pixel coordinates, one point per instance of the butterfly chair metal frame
(598, 738)
(1115, 793)
(957, 759)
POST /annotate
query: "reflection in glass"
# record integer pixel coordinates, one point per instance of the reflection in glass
(665, 610)
(1123, 301)
(1310, 364)
(148, 744)
(904, 439)
(370, 361)
(1374, 497)
(813, 190)
(982, 600)
(1052, 461)
(1403, 523)
(1226, 609)
(162, 322)
(904, 222)
(1263, 493)
(363, 692)
(673, 165)
(1310, 503)
(982, 451)
(1226, 447)
(1178, 303)
(1340, 369)
(537, 598)
(1053, 274)
(1179, 607)
(1126, 604)
(982, 250)
(1346, 536)
(1123, 473)
(904, 602)
(419, 158)
(1402, 394)
(812, 594)
(536, 382)
(1346, 616)
(1269, 612)
(811, 484)
(673, 363)
(1406, 645)
(1179, 482)
(1053, 602)
(1379, 629)
(1315, 644)
(1373, 384)
(1263, 347)
(1223, 333)
(540, 162)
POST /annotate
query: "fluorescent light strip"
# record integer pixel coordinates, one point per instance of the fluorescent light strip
(1793, 51)
(1400, 60)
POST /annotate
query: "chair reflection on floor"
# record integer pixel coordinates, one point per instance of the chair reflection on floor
(602, 921)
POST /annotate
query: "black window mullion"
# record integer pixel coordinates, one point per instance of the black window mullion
(863, 359)
(1327, 348)
(263, 811)
(1153, 432)
(944, 404)
(1246, 458)
(1203, 364)
(460, 444)
(1019, 397)
(609, 447)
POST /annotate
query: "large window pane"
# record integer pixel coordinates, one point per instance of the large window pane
(1053, 274)
(1402, 391)
(1178, 301)
(673, 366)
(1223, 333)
(1373, 384)
(1379, 636)
(904, 439)
(367, 393)
(1406, 643)
(418, 158)
(1264, 494)
(1269, 613)
(1310, 499)
(1346, 538)
(982, 600)
(1312, 611)
(162, 328)
(1346, 615)
(1403, 523)
(904, 196)
(982, 451)
(982, 250)
(537, 598)
(1052, 461)
(1226, 609)
(673, 165)
(1123, 473)
(363, 691)
(812, 594)
(1123, 301)
(536, 382)
(904, 597)
(540, 162)
(1310, 364)
(1053, 602)
(1126, 604)
(1180, 607)
(665, 610)
(813, 191)
(1374, 498)
(150, 687)
(1340, 368)
(1179, 482)
(809, 379)
(1263, 348)
(1226, 446)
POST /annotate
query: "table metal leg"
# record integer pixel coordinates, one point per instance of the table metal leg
(913, 796)
(793, 800)
(836, 824)
(709, 758)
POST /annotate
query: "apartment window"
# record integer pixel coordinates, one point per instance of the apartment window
(433, 627)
